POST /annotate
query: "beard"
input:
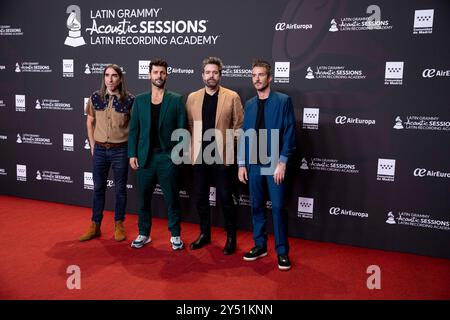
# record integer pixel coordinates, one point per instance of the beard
(211, 83)
(159, 84)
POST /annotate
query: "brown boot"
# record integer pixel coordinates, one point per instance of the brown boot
(93, 232)
(119, 231)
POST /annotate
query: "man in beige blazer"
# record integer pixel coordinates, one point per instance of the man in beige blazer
(215, 115)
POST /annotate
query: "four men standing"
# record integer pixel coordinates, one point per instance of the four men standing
(215, 120)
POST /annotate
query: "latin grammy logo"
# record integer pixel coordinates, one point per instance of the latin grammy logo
(309, 73)
(333, 27)
(19, 138)
(87, 69)
(38, 104)
(390, 219)
(398, 123)
(304, 165)
(73, 23)
(17, 68)
(38, 175)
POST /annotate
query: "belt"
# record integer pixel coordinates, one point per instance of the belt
(109, 145)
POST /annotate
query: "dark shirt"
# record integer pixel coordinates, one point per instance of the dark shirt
(260, 124)
(209, 109)
(154, 131)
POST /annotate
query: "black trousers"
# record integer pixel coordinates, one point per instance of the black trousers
(224, 177)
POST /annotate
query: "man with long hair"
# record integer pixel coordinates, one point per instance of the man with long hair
(108, 115)
(156, 114)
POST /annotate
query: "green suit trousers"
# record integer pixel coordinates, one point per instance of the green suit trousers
(158, 169)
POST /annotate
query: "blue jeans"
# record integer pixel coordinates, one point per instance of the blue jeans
(259, 216)
(102, 160)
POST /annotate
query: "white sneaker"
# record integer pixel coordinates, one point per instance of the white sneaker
(140, 241)
(177, 243)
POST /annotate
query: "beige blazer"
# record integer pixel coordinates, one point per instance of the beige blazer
(229, 115)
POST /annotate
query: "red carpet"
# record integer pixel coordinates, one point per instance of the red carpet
(39, 242)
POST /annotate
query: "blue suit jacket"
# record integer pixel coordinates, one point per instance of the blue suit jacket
(278, 114)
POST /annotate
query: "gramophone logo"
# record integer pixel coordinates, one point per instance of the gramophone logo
(390, 218)
(38, 104)
(87, 69)
(87, 146)
(333, 26)
(309, 73)
(304, 165)
(17, 68)
(73, 23)
(38, 175)
(19, 138)
(398, 123)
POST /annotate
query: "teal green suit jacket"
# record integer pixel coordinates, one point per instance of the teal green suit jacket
(172, 116)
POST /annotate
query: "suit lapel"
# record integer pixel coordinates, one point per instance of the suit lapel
(199, 110)
(220, 101)
(147, 111)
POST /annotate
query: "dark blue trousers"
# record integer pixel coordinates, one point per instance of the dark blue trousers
(257, 182)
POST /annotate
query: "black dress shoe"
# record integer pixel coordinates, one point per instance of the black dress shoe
(202, 240)
(230, 246)
(283, 262)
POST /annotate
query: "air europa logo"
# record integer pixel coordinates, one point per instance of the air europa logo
(422, 172)
(335, 210)
(345, 212)
(431, 73)
(282, 26)
(419, 172)
(348, 120)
